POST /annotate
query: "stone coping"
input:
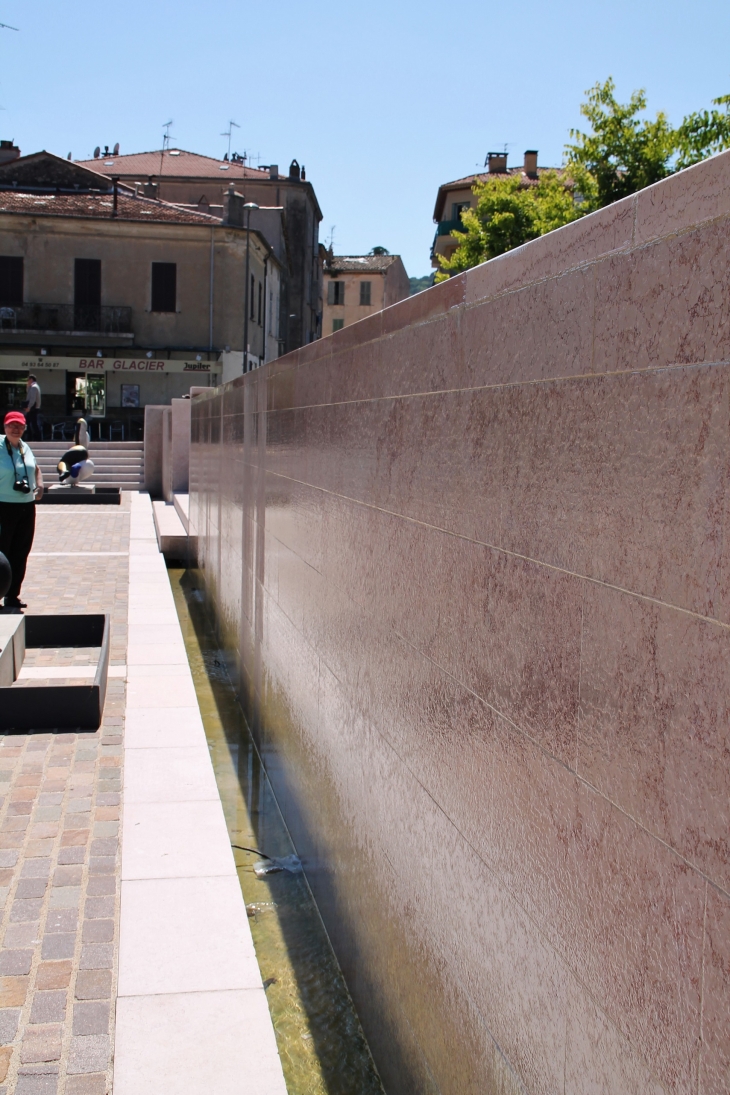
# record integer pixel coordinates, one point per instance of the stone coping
(191, 1008)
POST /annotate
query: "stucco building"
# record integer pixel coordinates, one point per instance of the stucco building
(289, 217)
(116, 300)
(454, 197)
(355, 286)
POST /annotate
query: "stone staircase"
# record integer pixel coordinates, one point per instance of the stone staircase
(116, 463)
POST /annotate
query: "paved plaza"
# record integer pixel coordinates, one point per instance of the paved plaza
(130, 972)
(59, 831)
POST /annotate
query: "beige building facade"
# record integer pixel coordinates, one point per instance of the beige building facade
(455, 197)
(355, 286)
(288, 216)
(116, 300)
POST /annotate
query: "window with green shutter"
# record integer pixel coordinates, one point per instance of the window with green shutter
(365, 292)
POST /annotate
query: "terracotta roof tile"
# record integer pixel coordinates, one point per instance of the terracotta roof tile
(129, 207)
(470, 180)
(356, 264)
(172, 162)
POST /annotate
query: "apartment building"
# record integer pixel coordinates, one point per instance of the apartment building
(454, 197)
(288, 216)
(355, 286)
(115, 299)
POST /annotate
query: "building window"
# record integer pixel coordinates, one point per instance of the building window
(457, 209)
(11, 280)
(336, 292)
(251, 294)
(164, 286)
(87, 294)
(365, 292)
(337, 325)
(261, 303)
(271, 310)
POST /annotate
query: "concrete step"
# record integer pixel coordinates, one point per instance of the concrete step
(98, 458)
(110, 457)
(116, 463)
(181, 503)
(172, 538)
(99, 446)
(100, 465)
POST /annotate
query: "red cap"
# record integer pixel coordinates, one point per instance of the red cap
(15, 416)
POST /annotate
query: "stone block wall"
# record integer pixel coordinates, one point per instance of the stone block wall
(470, 558)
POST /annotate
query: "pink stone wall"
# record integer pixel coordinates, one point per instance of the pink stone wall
(471, 558)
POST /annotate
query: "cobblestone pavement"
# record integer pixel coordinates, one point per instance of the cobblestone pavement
(59, 834)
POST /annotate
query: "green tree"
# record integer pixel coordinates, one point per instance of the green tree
(623, 153)
(703, 133)
(508, 213)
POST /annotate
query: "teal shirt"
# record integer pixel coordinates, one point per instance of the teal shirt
(12, 469)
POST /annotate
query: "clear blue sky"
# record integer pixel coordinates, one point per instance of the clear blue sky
(382, 100)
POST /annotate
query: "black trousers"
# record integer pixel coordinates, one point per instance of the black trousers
(17, 527)
(34, 429)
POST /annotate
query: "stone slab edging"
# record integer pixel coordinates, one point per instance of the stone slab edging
(191, 1009)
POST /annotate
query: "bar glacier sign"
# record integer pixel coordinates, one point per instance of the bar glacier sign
(108, 364)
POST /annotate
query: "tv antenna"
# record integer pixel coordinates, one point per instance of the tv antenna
(166, 138)
(229, 133)
(5, 26)
(331, 244)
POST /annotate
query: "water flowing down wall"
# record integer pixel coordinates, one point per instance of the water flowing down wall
(471, 558)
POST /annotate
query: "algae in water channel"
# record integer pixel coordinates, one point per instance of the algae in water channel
(321, 1043)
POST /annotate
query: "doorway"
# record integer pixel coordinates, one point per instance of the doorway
(13, 391)
(86, 394)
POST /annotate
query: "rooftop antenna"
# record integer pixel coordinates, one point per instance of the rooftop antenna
(116, 149)
(229, 133)
(6, 27)
(165, 141)
(331, 244)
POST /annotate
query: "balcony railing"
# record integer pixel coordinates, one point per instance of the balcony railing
(105, 319)
(445, 228)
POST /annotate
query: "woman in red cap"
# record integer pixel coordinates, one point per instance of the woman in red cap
(21, 485)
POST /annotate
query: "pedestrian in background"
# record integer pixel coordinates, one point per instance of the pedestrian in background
(32, 407)
(21, 485)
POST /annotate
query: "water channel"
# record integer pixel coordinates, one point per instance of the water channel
(321, 1044)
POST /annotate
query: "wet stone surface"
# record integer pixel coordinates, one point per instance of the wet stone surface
(321, 1044)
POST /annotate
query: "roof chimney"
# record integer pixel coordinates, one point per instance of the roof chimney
(294, 170)
(274, 171)
(531, 164)
(497, 162)
(8, 152)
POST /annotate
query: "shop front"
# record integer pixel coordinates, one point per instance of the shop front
(110, 392)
